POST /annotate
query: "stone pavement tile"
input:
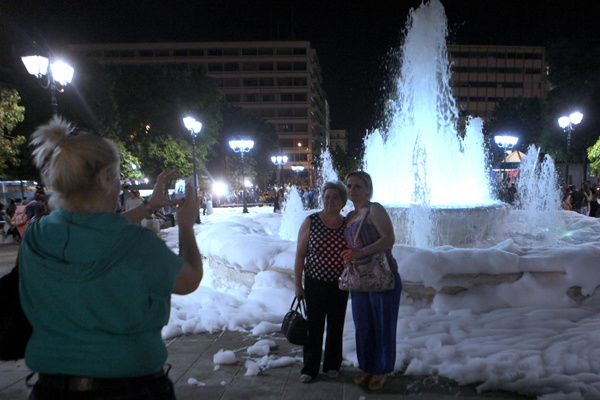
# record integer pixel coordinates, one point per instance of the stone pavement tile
(12, 380)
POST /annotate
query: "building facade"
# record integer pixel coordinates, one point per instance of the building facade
(338, 138)
(484, 75)
(280, 82)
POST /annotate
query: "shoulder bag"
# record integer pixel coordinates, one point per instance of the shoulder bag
(370, 275)
(295, 324)
(15, 329)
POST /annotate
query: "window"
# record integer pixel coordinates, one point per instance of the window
(249, 67)
(146, 53)
(299, 96)
(266, 82)
(286, 128)
(249, 52)
(250, 98)
(284, 66)
(161, 53)
(268, 98)
(215, 52)
(299, 51)
(286, 143)
(265, 51)
(231, 67)
(215, 67)
(232, 97)
(300, 82)
(196, 52)
(301, 112)
(267, 112)
(285, 81)
(250, 82)
(180, 53)
(285, 112)
(301, 128)
(284, 51)
(299, 66)
(230, 52)
(230, 82)
(265, 66)
(287, 97)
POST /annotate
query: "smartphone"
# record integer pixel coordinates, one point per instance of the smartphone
(179, 192)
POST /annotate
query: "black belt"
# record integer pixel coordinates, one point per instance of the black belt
(87, 384)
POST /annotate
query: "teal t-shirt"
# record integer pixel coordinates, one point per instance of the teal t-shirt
(97, 291)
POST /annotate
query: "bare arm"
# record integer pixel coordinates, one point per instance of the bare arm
(190, 275)
(379, 217)
(301, 250)
(159, 198)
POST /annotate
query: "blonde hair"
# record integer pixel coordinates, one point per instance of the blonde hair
(70, 160)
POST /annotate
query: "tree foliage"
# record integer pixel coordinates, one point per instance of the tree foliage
(227, 165)
(593, 154)
(141, 108)
(11, 113)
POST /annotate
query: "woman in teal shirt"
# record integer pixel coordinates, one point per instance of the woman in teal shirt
(95, 287)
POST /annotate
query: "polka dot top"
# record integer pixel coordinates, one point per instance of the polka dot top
(325, 245)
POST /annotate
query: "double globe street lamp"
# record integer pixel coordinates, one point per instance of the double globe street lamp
(280, 162)
(242, 146)
(58, 75)
(566, 123)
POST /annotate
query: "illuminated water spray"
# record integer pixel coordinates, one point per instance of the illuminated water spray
(454, 168)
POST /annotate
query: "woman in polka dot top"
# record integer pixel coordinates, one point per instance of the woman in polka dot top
(320, 244)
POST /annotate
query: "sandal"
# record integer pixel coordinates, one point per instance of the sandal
(377, 382)
(362, 378)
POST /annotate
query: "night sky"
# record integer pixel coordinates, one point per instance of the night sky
(353, 39)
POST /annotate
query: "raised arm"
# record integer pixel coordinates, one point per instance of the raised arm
(301, 250)
(159, 198)
(191, 273)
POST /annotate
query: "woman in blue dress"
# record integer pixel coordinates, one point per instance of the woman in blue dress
(375, 313)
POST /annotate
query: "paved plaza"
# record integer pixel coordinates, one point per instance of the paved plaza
(192, 357)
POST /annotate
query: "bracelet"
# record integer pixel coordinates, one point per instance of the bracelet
(146, 205)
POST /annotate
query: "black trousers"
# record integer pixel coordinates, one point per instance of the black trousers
(160, 388)
(324, 301)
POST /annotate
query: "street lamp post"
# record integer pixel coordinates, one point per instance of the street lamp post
(505, 142)
(280, 162)
(297, 169)
(58, 75)
(242, 146)
(566, 123)
(194, 127)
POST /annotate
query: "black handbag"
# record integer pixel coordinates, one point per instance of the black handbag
(15, 329)
(295, 324)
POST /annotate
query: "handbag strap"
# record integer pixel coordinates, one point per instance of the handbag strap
(300, 306)
(361, 223)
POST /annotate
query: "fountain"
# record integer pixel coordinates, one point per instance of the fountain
(440, 191)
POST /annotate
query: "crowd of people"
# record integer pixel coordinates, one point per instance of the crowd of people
(583, 200)
(17, 215)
